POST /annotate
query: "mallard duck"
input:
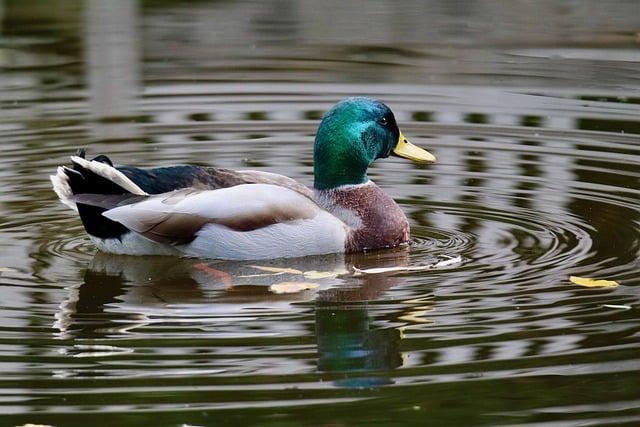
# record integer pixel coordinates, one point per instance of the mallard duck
(225, 214)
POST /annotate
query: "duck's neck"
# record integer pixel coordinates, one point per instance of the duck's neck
(374, 218)
(333, 173)
(339, 158)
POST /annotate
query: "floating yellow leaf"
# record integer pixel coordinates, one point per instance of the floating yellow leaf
(315, 275)
(292, 287)
(417, 316)
(277, 270)
(593, 283)
(380, 270)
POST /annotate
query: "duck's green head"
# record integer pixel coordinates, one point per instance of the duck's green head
(351, 136)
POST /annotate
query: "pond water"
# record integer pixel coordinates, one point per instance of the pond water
(533, 110)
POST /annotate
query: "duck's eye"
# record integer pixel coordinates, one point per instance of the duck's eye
(383, 121)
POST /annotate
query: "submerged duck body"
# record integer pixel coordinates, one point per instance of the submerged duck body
(226, 214)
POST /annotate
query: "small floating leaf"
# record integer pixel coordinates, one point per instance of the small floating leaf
(292, 287)
(417, 316)
(379, 270)
(316, 275)
(616, 306)
(448, 262)
(277, 270)
(593, 283)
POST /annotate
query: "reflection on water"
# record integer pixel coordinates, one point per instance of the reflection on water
(112, 61)
(532, 110)
(119, 294)
(347, 342)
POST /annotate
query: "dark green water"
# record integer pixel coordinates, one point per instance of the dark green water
(533, 109)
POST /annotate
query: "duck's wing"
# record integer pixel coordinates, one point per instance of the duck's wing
(243, 216)
(170, 178)
(260, 177)
(165, 179)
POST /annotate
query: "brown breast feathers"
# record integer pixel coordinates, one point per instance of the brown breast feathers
(376, 220)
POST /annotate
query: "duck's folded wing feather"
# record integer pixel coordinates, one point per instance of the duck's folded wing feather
(165, 179)
(177, 217)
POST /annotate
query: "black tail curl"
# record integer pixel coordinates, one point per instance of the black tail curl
(95, 194)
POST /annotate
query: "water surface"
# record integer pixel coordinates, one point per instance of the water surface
(536, 125)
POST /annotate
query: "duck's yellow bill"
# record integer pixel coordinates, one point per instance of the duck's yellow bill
(412, 152)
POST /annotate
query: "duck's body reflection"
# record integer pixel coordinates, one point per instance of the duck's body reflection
(349, 343)
(122, 293)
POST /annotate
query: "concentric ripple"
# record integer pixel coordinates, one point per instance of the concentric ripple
(524, 208)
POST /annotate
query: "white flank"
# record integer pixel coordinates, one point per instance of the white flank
(310, 231)
(323, 234)
(110, 173)
(61, 186)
